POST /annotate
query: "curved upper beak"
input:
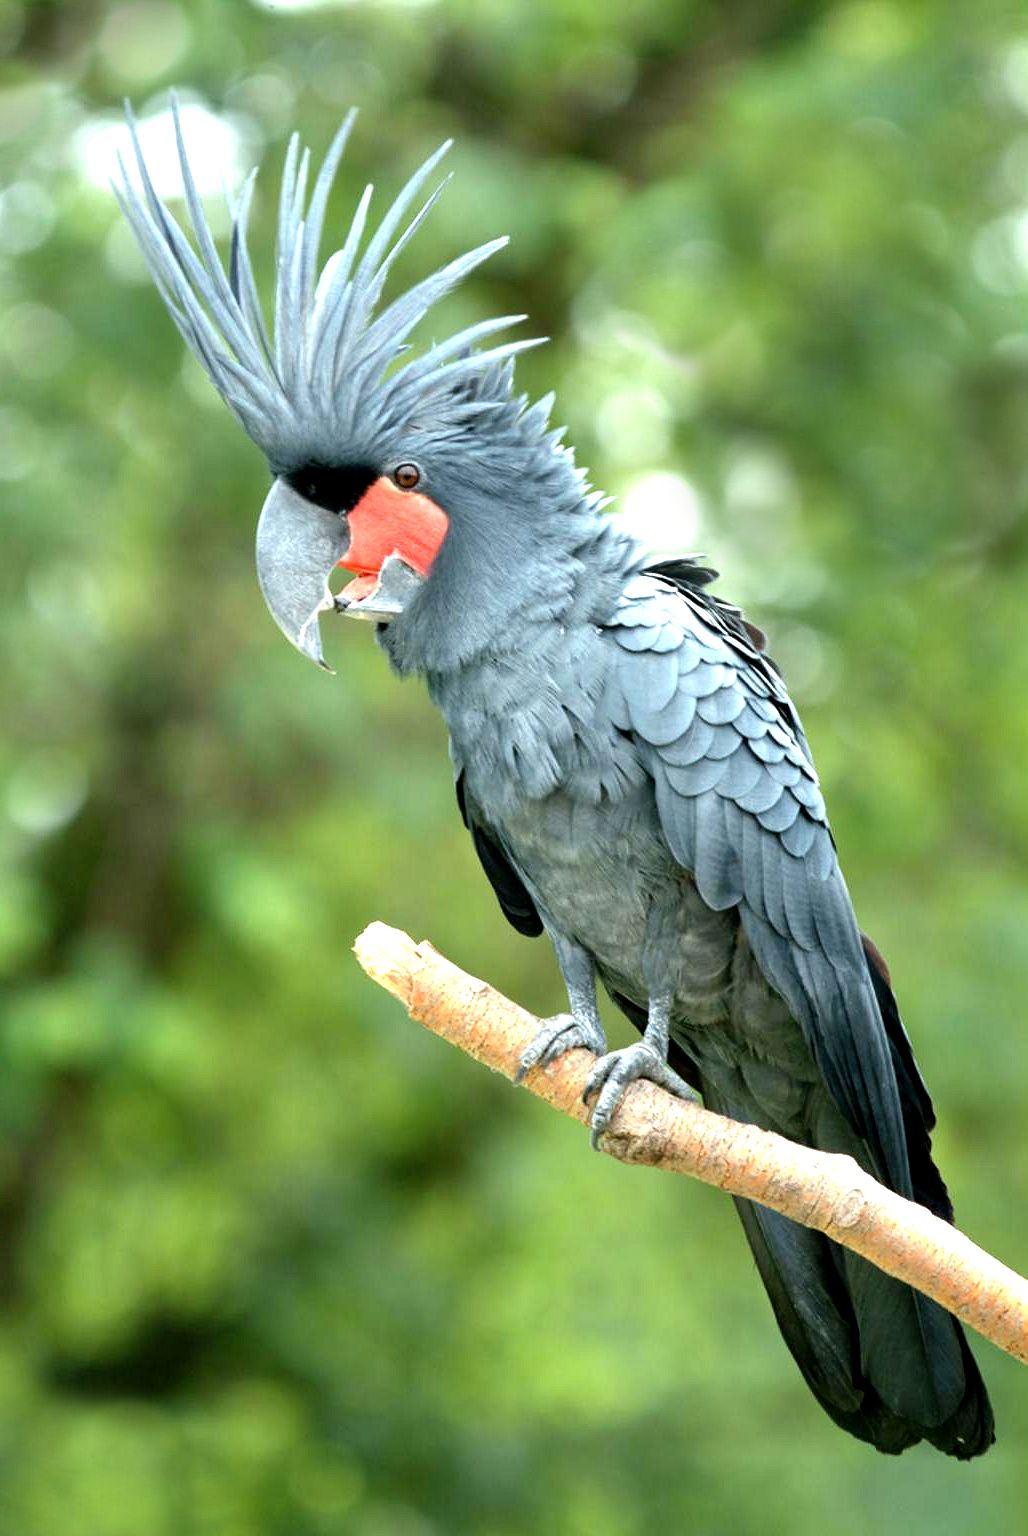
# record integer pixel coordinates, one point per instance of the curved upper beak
(299, 545)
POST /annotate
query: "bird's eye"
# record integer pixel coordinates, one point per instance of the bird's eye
(406, 476)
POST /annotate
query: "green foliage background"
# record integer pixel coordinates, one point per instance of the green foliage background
(272, 1261)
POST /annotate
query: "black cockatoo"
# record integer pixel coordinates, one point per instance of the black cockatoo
(628, 762)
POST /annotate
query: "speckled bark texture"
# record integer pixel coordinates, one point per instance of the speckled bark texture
(817, 1189)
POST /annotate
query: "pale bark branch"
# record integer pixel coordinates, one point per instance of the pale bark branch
(822, 1190)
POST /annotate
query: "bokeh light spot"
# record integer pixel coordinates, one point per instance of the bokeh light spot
(142, 40)
(214, 145)
(663, 511)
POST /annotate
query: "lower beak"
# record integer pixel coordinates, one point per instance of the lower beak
(380, 598)
(299, 545)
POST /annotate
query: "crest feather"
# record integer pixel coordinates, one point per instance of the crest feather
(300, 386)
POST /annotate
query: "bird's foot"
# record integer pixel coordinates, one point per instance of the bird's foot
(612, 1075)
(564, 1032)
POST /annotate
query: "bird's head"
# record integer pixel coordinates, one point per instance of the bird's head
(427, 480)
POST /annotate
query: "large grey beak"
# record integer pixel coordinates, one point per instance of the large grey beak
(299, 545)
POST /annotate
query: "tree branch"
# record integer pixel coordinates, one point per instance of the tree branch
(823, 1190)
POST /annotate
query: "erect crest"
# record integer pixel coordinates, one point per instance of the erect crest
(301, 387)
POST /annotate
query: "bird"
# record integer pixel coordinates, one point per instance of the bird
(633, 774)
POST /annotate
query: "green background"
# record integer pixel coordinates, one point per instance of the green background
(272, 1259)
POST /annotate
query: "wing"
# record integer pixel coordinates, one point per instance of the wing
(741, 809)
(518, 906)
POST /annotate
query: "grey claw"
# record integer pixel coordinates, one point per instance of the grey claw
(562, 1033)
(553, 1051)
(599, 1075)
(613, 1073)
(527, 1062)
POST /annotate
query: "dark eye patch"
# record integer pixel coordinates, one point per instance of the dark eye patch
(336, 487)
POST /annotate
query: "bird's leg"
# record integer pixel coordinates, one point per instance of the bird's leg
(580, 1027)
(647, 1058)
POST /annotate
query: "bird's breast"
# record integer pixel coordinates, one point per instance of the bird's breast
(604, 877)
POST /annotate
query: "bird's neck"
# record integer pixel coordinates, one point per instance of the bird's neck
(575, 573)
(506, 576)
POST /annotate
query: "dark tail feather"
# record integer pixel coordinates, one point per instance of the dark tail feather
(819, 1324)
(884, 1362)
(813, 1311)
(915, 1102)
(888, 1365)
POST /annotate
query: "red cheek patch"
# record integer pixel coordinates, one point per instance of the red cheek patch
(387, 520)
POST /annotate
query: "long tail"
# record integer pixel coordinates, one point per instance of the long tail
(884, 1362)
(887, 1364)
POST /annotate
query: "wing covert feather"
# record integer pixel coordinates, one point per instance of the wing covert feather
(742, 811)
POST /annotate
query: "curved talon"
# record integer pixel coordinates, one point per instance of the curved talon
(564, 1032)
(613, 1073)
(600, 1073)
